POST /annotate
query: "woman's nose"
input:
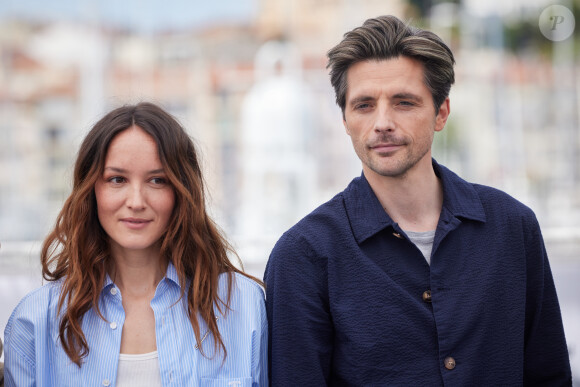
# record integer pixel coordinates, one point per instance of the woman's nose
(136, 198)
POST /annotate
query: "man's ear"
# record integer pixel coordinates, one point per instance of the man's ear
(345, 125)
(442, 115)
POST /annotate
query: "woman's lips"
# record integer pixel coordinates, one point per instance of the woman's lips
(135, 223)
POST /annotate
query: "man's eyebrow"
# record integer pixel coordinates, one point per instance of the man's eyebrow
(410, 96)
(359, 99)
(402, 95)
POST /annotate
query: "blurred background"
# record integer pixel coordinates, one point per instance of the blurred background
(247, 79)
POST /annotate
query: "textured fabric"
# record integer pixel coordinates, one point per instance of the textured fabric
(139, 370)
(34, 355)
(345, 296)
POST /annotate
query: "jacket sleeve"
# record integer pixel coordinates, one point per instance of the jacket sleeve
(300, 326)
(546, 360)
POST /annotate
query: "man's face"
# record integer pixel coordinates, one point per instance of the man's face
(390, 117)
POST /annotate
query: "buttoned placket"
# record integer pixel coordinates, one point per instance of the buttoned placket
(447, 223)
(115, 317)
(163, 329)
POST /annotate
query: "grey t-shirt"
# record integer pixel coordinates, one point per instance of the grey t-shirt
(423, 241)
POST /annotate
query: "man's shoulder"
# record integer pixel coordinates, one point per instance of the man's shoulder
(504, 211)
(494, 199)
(491, 198)
(317, 229)
(492, 205)
(323, 219)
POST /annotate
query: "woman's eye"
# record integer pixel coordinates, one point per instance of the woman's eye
(159, 180)
(116, 180)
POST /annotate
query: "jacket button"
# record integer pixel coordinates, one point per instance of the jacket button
(398, 235)
(427, 296)
(449, 363)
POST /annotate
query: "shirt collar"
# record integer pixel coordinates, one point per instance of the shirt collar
(170, 275)
(367, 216)
(460, 198)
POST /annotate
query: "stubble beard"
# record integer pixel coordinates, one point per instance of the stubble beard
(397, 164)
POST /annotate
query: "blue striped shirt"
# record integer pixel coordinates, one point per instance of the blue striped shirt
(34, 354)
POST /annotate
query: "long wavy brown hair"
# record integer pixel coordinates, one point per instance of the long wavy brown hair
(77, 250)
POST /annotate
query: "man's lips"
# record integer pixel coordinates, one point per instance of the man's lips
(385, 147)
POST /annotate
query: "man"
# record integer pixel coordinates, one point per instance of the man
(411, 276)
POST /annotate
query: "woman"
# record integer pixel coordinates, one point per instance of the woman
(141, 289)
(1, 367)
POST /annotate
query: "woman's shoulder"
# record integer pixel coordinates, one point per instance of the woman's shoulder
(35, 307)
(32, 318)
(244, 291)
(246, 285)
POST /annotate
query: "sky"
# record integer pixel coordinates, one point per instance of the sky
(139, 15)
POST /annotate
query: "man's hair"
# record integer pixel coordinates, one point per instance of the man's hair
(387, 37)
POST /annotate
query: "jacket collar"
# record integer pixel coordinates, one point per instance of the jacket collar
(367, 217)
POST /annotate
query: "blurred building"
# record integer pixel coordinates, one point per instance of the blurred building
(59, 78)
(256, 97)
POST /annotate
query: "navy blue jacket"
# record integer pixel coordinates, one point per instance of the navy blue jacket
(352, 301)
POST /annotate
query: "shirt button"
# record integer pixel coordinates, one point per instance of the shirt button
(398, 235)
(427, 296)
(113, 290)
(106, 382)
(449, 363)
(113, 325)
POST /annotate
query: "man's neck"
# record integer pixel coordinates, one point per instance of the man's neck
(413, 200)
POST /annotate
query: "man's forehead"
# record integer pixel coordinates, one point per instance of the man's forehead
(397, 76)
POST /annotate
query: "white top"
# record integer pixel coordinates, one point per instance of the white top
(138, 370)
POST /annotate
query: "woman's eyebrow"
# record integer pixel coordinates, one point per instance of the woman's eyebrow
(121, 170)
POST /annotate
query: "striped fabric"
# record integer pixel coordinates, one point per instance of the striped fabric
(34, 355)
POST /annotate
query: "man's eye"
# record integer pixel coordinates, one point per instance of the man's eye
(362, 106)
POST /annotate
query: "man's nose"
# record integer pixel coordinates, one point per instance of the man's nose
(384, 119)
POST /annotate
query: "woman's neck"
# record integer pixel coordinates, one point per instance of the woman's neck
(137, 273)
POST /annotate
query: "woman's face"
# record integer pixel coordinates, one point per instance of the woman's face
(134, 198)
